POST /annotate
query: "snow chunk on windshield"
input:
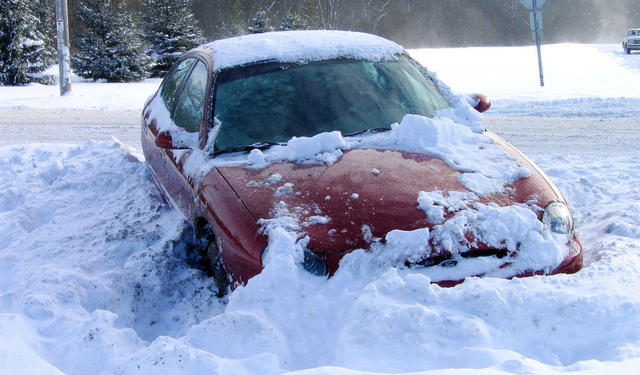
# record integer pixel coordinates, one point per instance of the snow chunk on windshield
(486, 167)
(324, 148)
(300, 47)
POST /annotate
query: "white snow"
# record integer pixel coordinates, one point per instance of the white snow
(299, 46)
(84, 95)
(579, 80)
(94, 277)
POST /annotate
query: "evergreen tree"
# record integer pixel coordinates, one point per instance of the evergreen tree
(170, 29)
(22, 46)
(294, 21)
(302, 15)
(110, 46)
(45, 13)
(260, 23)
(234, 22)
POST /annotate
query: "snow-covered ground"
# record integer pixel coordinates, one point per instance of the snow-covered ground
(94, 280)
(579, 80)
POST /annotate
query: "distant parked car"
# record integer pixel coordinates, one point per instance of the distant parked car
(229, 98)
(631, 41)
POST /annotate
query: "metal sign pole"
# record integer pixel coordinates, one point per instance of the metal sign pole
(536, 26)
(64, 55)
(537, 31)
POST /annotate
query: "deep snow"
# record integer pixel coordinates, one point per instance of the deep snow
(94, 280)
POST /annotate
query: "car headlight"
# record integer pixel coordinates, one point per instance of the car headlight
(314, 263)
(557, 218)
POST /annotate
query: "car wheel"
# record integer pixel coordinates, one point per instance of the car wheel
(218, 272)
(628, 51)
(210, 257)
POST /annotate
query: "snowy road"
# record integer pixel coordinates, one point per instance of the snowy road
(569, 135)
(68, 126)
(574, 135)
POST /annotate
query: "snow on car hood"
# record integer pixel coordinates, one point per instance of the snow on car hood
(333, 193)
(365, 194)
(299, 46)
(364, 187)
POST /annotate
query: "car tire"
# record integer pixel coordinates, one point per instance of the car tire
(217, 269)
(628, 51)
(210, 256)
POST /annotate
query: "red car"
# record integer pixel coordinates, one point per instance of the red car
(227, 104)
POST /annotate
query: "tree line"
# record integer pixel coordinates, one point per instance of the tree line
(427, 23)
(128, 40)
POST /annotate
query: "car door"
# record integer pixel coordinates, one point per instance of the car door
(184, 94)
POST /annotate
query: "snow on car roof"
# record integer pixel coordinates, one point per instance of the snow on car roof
(299, 46)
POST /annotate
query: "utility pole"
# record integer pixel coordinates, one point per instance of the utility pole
(64, 55)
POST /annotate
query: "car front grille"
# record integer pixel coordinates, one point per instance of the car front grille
(450, 261)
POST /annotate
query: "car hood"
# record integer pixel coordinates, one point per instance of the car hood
(365, 194)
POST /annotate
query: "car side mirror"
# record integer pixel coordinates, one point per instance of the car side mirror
(483, 103)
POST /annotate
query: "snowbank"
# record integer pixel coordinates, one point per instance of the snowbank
(94, 280)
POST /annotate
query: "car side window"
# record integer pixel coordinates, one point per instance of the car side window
(190, 107)
(172, 83)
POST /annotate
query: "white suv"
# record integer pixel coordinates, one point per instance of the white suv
(631, 40)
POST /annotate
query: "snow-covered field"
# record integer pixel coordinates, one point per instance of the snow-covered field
(94, 280)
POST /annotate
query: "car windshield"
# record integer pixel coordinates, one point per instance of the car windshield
(271, 102)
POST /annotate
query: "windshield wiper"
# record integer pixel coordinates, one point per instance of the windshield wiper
(374, 130)
(259, 146)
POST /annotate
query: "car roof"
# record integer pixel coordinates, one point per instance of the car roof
(299, 46)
